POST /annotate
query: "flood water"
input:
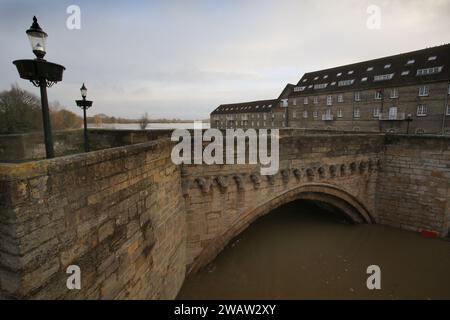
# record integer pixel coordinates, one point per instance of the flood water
(300, 251)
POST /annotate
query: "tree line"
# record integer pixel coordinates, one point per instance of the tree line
(20, 112)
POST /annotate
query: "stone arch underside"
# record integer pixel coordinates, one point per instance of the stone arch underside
(331, 195)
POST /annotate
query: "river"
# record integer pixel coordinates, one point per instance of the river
(300, 251)
(151, 126)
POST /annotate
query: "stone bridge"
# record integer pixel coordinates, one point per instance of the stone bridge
(136, 224)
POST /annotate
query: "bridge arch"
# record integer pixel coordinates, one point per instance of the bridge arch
(331, 195)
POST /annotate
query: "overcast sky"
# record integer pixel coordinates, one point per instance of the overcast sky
(184, 58)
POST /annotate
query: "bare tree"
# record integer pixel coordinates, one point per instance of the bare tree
(143, 122)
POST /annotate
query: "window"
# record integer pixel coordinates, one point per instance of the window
(294, 102)
(369, 69)
(405, 73)
(346, 83)
(378, 95)
(428, 71)
(387, 66)
(325, 76)
(383, 77)
(305, 101)
(394, 93)
(393, 113)
(341, 98)
(432, 58)
(376, 112)
(410, 62)
(305, 114)
(316, 78)
(424, 91)
(316, 114)
(351, 72)
(449, 89)
(321, 86)
(316, 100)
(357, 96)
(448, 110)
(364, 79)
(299, 89)
(294, 115)
(310, 86)
(339, 74)
(329, 100)
(421, 110)
(356, 113)
(339, 113)
(284, 103)
(304, 80)
(333, 83)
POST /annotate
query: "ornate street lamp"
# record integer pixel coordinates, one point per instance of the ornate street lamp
(84, 104)
(42, 74)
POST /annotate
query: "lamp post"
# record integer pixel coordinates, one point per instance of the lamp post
(41, 74)
(84, 104)
(408, 120)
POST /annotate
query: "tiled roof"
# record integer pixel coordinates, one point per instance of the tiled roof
(422, 66)
(247, 107)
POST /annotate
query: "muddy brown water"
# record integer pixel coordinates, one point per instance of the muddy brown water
(300, 251)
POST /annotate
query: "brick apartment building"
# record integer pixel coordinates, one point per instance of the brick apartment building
(403, 93)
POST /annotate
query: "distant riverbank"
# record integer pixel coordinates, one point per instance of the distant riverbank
(151, 126)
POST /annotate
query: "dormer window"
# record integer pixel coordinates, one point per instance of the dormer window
(369, 69)
(339, 74)
(316, 78)
(351, 72)
(305, 80)
(387, 66)
(405, 73)
(325, 76)
(364, 79)
(432, 58)
(333, 83)
(410, 62)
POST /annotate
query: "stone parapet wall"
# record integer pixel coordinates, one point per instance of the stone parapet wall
(117, 214)
(413, 191)
(16, 148)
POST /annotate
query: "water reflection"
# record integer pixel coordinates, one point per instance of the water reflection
(300, 251)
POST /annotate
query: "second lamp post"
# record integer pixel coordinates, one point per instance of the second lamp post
(84, 104)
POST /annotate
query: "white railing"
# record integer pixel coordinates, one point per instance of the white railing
(393, 117)
(327, 117)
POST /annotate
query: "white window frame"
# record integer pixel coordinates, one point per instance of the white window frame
(306, 101)
(356, 113)
(422, 110)
(305, 114)
(357, 96)
(376, 112)
(339, 113)
(329, 100)
(316, 114)
(424, 91)
(340, 98)
(394, 93)
(378, 95)
(316, 100)
(393, 113)
(448, 110)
